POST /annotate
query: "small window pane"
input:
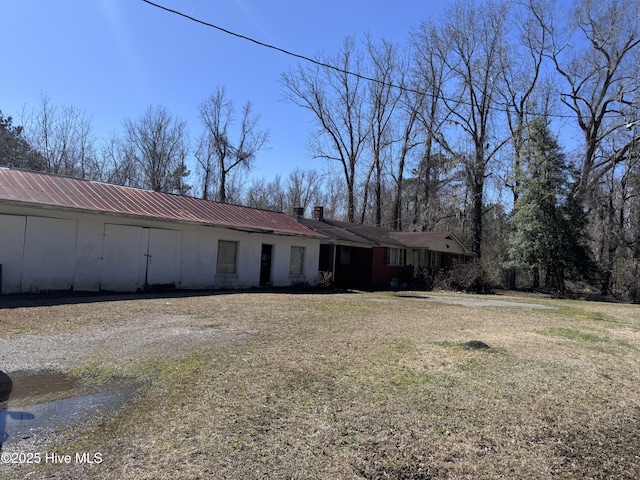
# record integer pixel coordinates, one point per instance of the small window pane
(227, 255)
(396, 257)
(436, 259)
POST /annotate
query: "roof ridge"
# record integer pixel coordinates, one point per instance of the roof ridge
(129, 187)
(43, 189)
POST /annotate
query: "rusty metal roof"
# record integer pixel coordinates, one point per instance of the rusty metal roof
(55, 191)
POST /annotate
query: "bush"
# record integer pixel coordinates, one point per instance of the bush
(468, 277)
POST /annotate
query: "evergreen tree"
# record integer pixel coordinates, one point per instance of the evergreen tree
(15, 151)
(549, 224)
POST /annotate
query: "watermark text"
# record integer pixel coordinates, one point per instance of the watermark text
(26, 458)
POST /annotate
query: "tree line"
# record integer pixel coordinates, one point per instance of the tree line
(513, 124)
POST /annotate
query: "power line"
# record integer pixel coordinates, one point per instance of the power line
(286, 52)
(327, 65)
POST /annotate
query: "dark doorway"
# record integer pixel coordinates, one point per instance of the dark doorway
(265, 264)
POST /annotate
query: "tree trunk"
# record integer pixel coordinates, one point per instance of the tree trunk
(535, 281)
(476, 219)
(222, 194)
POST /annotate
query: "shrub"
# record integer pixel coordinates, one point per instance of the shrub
(468, 277)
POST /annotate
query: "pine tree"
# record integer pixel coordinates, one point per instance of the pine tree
(549, 224)
(15, 151)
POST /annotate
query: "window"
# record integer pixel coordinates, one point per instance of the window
(227, 256)
(345, 255)
(396, 257)
(436, 259)
(296, 267)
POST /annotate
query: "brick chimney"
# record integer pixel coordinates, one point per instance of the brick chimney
(298, 212)
(318, 213)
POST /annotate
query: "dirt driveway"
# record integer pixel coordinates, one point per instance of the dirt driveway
(62, 334)
(471, 301)
(103, 332)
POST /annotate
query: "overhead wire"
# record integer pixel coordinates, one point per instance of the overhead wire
(321, 63)
(286, 52)
(292, 54)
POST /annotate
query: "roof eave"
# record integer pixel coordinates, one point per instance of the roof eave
(17, 203)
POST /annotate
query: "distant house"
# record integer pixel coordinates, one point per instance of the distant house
(61, 233)
(360, 256)
(433, 251)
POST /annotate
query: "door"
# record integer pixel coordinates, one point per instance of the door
(11, 252)
(121, 257)
(265, 264)
(49, 254)
(139, 257)
(163, 259)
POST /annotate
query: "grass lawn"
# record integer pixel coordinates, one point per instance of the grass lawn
(375, 386)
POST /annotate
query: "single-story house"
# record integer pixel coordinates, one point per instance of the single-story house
(361, 256)
(61, 233)
(432, 251)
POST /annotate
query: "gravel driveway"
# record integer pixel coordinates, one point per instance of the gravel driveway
(129, 329)
(108, 333)
(153, 337)
(469, 301)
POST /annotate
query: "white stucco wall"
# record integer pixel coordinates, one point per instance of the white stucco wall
(11, 251)
(46, 249)
(49, 254)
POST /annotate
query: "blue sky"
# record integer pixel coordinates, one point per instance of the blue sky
(113, 58)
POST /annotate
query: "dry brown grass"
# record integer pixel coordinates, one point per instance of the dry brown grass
(371, 386)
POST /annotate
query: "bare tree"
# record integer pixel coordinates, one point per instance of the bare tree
(267, 195)
(598, 61)
(218, 156)
(119, 167)
(157, 145)
(63, 137)
(408, 136)
(596, 53)
(303, 189)
(388, 68)
(431, 115)
(337, 100)
(521, 66)
(474, 56)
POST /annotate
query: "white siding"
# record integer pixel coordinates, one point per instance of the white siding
(448, 246)
(91, 252)
(11, 251)
(199, 250)
(49, 254)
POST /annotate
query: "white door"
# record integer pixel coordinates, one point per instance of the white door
(11, 249)
(163, 258)
(49, 254)
(121, 255)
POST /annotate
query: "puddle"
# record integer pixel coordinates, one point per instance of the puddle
(42, 402)
(31, 388)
